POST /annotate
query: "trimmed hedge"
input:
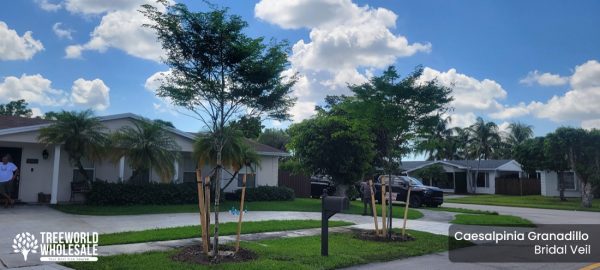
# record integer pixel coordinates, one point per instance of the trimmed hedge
(104, 193)
(265, 193)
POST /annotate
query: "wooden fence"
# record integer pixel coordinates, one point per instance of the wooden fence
(299, 183)
(518, 186)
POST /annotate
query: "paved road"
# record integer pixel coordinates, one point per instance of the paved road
(538, 216)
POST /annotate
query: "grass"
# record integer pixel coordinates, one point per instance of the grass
(531, 201)
(463, 210)
(299, 204)
(229, 228)
(492, 220)
(290, 253)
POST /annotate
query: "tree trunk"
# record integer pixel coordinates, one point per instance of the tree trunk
(587, 194)
(230, 180)
(218, 196)
(561, 189)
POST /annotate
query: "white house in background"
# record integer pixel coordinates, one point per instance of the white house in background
(460, 174)
(46, 169)
(550, 183)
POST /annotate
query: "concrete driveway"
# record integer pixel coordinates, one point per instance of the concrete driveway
(538, 216)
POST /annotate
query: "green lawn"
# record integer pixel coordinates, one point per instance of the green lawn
(462, 210)
(290, 253)
(229, 228)
(532, 201)
(492, 220)
(299, 204)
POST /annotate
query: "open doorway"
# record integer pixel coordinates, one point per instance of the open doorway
(15, 154)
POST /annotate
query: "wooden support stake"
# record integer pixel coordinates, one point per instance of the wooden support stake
(201, 205)
(373, 207)
(406, 203)
(383, 209)
(207, 205)
(239, 228)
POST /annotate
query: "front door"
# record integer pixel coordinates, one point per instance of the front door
(460, 183)
(15, 157)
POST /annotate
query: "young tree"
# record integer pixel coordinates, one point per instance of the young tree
(82, 134)
(147, 146)
(15, 108)
(333, 145)
(484, 140)
(219, 73)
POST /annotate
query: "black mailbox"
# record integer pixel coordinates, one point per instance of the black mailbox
(330, 205)
(335, 203)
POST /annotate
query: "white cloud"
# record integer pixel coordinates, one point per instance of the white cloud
(511, 112)
(15, 47)
(469, 94)
(591, 124)
(92, 94)
(61, 32)
(36, 112)
(155, 80)
(302, 110)
(120, 28)
(33, 88)
(344, 38)
(462, 119)
(544, 79)
(580, 103)
(48, 6)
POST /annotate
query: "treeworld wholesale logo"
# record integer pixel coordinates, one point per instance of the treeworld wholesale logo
(58, 246)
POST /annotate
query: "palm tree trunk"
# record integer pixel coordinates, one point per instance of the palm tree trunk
(82, 171)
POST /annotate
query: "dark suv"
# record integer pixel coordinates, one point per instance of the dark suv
(420, 194)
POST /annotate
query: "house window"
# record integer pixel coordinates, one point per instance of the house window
(483, 180)
(78, 177)
(250, 180)
(568, 180)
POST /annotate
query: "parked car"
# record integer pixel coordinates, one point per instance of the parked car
(318, 183)
(420, 194)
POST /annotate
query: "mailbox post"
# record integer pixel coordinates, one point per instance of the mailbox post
(330, 205)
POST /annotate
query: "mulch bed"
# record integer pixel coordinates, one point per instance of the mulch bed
(370, 235)
(194, 254)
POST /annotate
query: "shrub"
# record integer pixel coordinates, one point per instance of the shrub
(104, 193)
(265, 193)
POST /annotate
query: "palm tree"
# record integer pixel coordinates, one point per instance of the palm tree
(518, 133)
(435, 144)
(82, 134)
(147, 146)
(484, 138)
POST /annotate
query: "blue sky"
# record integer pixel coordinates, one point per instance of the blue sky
(529, 61)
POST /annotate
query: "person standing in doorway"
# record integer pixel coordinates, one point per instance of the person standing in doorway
(365, 191)
(8, 173)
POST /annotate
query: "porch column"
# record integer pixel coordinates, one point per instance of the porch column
(56, 165)
(454, 181)
(176, 174)
(121, 168)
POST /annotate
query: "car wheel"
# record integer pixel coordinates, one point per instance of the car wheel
(415, 202)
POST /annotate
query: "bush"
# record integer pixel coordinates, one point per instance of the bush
(104, 193)
(264, 193)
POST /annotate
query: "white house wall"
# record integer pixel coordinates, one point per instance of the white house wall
(549, 185)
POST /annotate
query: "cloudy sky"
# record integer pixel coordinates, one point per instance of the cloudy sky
(530, 61)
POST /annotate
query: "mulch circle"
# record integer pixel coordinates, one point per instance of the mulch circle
(194, 254)
(370, 235)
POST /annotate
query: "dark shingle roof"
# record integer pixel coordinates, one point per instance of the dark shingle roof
(490, 164)
(16, 121)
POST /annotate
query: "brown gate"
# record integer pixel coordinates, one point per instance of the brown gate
(298, 182)
(518, 186)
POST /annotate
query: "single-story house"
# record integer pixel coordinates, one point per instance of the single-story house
(460, 174)
(550, 183)
(46, 169)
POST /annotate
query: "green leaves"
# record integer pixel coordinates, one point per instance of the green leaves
(15, 108)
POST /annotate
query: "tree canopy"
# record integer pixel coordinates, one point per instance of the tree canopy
(16, 108)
